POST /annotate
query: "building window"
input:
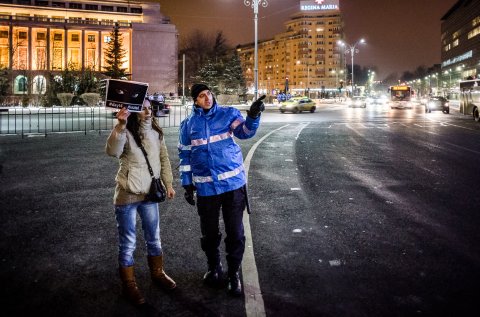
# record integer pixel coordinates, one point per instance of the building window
(136, 10)
(58, 4)
(108, 22)
(107, 39)
(91, 21)
(91, 53)
(3, 34)
(75, 37)
(121, 9)
(41, 3)
(22, 35)
(473, 32)
(107, 8)
(455, 43)
(41, 36)
(39, 85)
(20, 85)
(91, 38)
(57, 59)
(476, 21)
(91, 7)
(41, 58)
(75, 20)
(4, 54)
(57, 37)
(22, 57)
(74, 61)
(74, 5)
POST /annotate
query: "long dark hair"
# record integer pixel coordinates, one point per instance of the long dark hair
(133, 125)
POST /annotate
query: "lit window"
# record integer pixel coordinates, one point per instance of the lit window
(20, 85)
(473, 32)
(476, 21)
(39, 85)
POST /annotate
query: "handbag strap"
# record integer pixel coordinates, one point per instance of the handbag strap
(146, 158)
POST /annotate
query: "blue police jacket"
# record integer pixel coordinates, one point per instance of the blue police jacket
(209, 157)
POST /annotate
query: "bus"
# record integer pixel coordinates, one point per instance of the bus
(400, 96)
(470, 98)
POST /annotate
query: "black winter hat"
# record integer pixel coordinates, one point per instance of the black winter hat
(197, 89)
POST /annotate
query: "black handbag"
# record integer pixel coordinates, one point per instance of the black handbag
(157, 191)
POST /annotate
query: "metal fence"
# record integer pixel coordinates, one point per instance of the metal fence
(44, 121)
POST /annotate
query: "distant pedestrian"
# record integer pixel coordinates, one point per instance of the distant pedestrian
(211, 163)
(132, 184)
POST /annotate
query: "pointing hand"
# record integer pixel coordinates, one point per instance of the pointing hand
(256, 108)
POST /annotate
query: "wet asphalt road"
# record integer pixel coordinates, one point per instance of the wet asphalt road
(355, 213)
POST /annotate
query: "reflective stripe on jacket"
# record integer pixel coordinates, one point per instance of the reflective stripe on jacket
(209, 157)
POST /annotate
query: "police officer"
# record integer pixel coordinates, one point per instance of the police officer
(211, 163)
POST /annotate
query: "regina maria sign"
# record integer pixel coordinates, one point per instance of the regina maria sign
(319, 5)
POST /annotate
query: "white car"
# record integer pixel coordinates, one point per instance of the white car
(357, 101)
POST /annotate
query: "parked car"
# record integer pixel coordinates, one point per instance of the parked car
(297, 104)
(357, 101)
(437, 103)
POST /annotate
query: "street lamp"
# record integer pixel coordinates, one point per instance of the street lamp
(352, 50)
(254, 4)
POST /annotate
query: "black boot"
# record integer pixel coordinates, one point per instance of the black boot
(214, 276)
(234, 285)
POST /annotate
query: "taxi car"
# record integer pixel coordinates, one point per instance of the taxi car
(297, 104)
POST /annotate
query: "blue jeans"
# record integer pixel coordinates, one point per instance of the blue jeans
(126, 216)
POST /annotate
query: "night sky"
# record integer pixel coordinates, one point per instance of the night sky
(400, 34)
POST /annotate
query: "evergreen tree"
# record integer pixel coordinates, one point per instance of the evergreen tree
(209, 74)
(233, 78)
(88, 82)
(115, 55)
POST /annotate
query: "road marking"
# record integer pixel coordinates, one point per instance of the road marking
(254, 306)
(303, 126)
(463, 148)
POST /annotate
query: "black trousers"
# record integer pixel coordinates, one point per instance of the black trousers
(232, 204)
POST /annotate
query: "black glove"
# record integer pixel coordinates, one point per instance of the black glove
(189, 196)
(256, 108)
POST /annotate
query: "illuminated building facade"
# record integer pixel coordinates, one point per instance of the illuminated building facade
(41, 36)
(461, 42)
(305, 57)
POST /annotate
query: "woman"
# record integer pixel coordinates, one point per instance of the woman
(133, 182)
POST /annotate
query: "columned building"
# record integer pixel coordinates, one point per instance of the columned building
(305, 58)
(460, 38)
(41, 36)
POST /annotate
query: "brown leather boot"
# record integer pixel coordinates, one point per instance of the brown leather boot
(129, 286)
(155, 263)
